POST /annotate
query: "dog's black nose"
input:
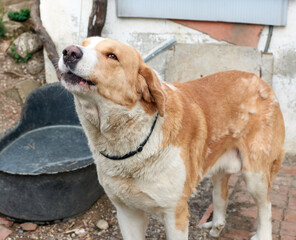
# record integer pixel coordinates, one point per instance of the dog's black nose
(72, 55)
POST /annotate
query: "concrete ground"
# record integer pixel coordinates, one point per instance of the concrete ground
(242, 211)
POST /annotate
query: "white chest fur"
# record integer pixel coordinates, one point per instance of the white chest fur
(150, 184)
(150, 180)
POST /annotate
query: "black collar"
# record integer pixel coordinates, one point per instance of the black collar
(139, 149)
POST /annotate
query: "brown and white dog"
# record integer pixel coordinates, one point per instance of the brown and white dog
(153, 141)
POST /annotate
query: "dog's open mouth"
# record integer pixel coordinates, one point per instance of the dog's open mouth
(74, 80)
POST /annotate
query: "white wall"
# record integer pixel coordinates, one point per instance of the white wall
(67, 25)
(283, 47)
(66, 22)
(145, 34)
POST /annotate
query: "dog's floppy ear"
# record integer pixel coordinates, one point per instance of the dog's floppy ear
(151, 88)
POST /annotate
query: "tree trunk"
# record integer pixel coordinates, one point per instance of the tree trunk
(45, 38)
(97, 18)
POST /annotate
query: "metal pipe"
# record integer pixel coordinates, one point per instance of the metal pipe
(160, 49)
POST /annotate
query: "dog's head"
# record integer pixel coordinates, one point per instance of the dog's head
(114, 70)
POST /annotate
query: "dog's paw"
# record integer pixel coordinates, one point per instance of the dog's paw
(207, 225)
(216, 230)
(256, 237)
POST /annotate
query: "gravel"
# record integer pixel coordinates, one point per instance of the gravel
(9, 108)
(85, 226)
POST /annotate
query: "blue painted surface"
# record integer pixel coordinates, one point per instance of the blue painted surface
(267, 12)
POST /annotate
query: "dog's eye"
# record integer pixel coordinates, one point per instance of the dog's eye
(113, 56)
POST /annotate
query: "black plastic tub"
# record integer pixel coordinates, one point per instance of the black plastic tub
(46, 169)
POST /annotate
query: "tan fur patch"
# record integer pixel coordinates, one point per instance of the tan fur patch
(203, 118)
(216, 119)
(224, 187)
(86, 42)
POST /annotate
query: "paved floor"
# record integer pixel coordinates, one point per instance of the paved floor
(242, 211)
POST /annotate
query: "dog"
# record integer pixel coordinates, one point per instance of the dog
(154, 141)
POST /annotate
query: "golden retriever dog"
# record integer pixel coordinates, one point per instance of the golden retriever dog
(154, 141)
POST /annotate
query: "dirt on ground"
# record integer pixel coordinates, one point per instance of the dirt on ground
(84, 226)
(9, 108)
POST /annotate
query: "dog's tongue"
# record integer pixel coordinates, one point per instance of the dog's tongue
(82, 83)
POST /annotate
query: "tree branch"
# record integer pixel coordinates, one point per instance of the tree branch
(97, 18)
(44, 37)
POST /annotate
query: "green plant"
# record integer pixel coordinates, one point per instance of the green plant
(2, 28)
(17, 57)
(2, 23)
(20, 16)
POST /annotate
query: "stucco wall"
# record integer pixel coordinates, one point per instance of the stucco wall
(283, 47)
(67, 24)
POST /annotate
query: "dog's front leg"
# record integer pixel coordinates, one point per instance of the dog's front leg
(176, 224)
(132, 222)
